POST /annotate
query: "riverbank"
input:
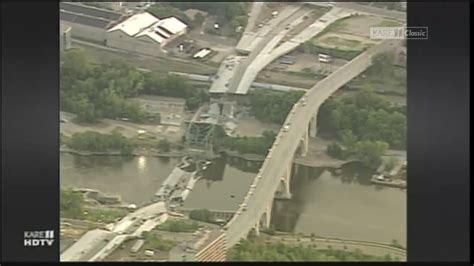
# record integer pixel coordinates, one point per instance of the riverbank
(138, 152)
(156, 153)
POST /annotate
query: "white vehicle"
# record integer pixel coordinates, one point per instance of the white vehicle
(253, 186)
(324, 58)
(141, 131)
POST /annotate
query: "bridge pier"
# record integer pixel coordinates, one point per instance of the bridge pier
(256, 228)
(268, 215)
(285, 180)
(313, 127)
(305, 143)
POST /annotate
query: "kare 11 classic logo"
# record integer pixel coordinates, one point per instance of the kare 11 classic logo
(39, 238)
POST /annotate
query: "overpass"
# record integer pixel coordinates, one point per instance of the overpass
(249, 68)
(97, 244)
(274, 176)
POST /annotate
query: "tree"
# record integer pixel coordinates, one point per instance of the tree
(203, 215)
(365, 116)
(164, 145)
(370, 153)
(84, 109)
(336, 151)
(390, 164)
(96, 90)
(71, 204)
(381, 64)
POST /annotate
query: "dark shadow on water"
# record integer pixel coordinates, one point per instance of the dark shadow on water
(215, 171)
(355, 172)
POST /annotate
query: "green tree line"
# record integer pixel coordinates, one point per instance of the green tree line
(249, 145)
(252, 251)
(234, 13)
(94, 141)
(94, 90)
(365, 117)
(271, 106)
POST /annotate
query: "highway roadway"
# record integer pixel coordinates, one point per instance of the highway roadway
(265, 45)
(253, 42)
(97, 244)
(281, 154)
(259, 59)
(250, 39)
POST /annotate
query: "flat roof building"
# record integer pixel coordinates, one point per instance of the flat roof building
(143, 33)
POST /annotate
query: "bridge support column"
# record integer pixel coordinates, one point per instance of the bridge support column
(286, 182)
(257, 228)
(268, 215)
(312, 127)
(305, 143)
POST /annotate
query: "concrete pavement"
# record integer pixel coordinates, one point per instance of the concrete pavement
(241, 81)
(97, 244)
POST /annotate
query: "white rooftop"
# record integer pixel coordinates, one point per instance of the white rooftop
(172, 25)
(136, 23)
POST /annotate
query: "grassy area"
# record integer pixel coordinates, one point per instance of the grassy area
(156, 243)
(341, 42)
(103, 215)
(388, 23)
(178, 226)
(312, 48)
(255, 251)
(335, 26)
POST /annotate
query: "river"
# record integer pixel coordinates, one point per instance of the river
(345, 206)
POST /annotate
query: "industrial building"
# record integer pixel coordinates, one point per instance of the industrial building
(144, 33)
(140, 33)
(64, 37)
(87, 22)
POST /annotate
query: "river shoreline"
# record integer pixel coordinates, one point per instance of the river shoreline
(152, 153)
